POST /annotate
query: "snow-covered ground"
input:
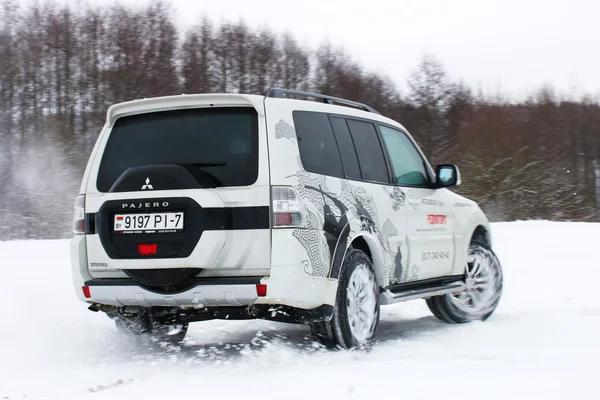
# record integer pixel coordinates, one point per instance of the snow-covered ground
(543, 341)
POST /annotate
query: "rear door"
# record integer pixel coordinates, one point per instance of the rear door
(429, 228)
(336, 164)
(391, 213)
(182, 183)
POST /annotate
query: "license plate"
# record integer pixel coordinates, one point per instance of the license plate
(149, 223)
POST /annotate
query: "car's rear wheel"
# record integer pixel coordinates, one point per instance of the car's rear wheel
(356, 311)
(146, 324)
(483, 277)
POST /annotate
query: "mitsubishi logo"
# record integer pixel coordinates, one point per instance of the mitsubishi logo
(147, 185)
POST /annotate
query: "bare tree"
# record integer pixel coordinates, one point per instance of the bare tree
(294, 64)
(197, 52)
(161, 41)
(8, 61)
(264, 54)
(62, 67)
(429, 95)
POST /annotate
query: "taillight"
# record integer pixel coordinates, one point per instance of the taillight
(79, 217)
(287, 208)
(261, 290)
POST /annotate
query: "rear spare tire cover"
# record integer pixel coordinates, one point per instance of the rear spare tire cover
(169, 279)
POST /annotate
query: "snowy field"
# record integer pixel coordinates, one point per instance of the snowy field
(543, 342)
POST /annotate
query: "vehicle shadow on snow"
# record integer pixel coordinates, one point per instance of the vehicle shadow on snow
(295, 338)
(251, 343)
(390, 330)
(238, 344)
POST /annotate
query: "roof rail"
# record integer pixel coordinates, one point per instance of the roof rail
(279, 93)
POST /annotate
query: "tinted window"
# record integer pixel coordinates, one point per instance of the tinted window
(346, 146)
(370, 155)
(407, 163)
(226, 137)
(318, 150)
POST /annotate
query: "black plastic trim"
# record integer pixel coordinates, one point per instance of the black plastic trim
(337, 257)
(321, 313)
(90, 223)
(269, 312)
(239, 218)
(178, 244)
(250, 280)
(424, 284)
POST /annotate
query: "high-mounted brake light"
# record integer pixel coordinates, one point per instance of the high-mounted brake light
(79, 216)
(287, 208)
(147, 249)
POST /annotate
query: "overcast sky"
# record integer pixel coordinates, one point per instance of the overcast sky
(512, 45)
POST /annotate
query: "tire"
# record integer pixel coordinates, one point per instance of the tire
(484, 280)
(356, 311)
(144, 324)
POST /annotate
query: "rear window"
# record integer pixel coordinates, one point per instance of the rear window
(370, 155)
(346, 146)
(222, 142)
(318, 149)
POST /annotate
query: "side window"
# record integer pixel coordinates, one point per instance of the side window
(407, 163)
(346, 146)
(318, 150)
(369, 151)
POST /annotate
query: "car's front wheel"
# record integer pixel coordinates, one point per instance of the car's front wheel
(483, 278)
(356, 311)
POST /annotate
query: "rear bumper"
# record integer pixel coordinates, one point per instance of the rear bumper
(303, 293)
(287, 285)
(124, 292)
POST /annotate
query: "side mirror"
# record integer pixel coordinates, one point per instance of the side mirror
(447, 175)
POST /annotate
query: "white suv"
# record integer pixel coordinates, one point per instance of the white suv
(197, 207)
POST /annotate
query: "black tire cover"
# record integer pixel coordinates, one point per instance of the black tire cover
(166, 280)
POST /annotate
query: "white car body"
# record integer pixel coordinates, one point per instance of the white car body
(413, 234)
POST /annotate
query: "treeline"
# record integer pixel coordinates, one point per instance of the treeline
(61, 67)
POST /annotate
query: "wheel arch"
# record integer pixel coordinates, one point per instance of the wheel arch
(369, 244)
(482, 234)
(477, 227)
